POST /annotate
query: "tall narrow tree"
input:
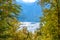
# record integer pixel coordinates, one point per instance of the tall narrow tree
(8, 13)
(49, 20)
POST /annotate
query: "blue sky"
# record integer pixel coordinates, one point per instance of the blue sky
(30, 11)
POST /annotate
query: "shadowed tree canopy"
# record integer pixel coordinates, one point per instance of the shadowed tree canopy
(49, 24)
(49, 21)
(8, 22)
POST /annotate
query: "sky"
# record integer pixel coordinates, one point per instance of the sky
(29, 16)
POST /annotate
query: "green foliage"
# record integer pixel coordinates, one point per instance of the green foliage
(23, 35)
(49, 26)
(49, 20)
(8, 22)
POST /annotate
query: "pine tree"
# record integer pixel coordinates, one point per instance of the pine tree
(49, 20)
(8, 22)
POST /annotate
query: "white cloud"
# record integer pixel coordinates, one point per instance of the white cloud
(30, 25)
(29, 1)
(26, 1)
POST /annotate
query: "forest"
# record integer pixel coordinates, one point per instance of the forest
(49, 23)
